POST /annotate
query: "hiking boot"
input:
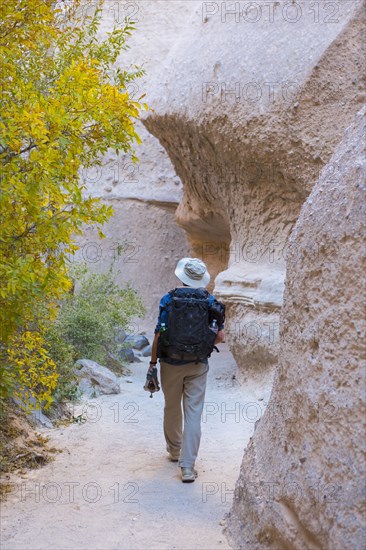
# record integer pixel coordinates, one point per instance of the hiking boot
(173, 454)
(173, 458)
(188, 474)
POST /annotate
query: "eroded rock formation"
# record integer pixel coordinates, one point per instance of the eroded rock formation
(144, 195)
(249, 114)
(300, 484)
(249, 102)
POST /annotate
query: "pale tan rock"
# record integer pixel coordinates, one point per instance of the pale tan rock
(144, 195)
(300, 483)
(257, 290)
(248, 166)
(151, 246)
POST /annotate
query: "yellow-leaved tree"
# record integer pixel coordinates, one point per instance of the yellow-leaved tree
(63, 104)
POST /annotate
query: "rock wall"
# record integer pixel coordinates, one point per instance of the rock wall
(144, 195)
(152, 244)
(301, 482)
(249, 101)
(246, 129)
(249, 106)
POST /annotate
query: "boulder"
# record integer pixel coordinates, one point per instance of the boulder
(137, 341)
(95, 379)
(120, 336)
(127, 355)
(300, 481)
(146, 352)
(33, 412)
(88, 389)
(113, 362)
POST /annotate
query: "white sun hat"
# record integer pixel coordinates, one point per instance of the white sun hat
(193, 272)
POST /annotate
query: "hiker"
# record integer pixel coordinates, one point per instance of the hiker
(190, 323)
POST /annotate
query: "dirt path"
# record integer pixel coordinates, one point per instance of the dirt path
(113, 487)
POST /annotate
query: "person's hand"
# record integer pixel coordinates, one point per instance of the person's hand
(152, 364)
(220, 337)
(152, 381)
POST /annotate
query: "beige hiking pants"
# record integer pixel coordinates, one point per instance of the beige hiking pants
(187, 383)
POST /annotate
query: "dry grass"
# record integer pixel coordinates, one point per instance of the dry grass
(21, 446)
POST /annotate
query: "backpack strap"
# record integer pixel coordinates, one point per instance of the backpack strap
(171, 292)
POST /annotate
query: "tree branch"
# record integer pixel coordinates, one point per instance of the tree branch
(13, 154)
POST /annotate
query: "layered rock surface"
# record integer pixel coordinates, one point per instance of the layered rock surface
(151, 246)
(249, 101)
(144, 195)
(300, 481)
(249, 112)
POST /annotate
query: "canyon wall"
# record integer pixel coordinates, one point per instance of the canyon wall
(249, 112)
(249, 102)
(301, 482)
(145, 195)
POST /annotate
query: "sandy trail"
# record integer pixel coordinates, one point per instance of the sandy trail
(113, 486)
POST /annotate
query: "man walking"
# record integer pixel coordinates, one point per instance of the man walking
(190, 323)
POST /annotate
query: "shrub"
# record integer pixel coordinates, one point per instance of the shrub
(63, 354)
(34, 368)
(89, 321)
(64, 104)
